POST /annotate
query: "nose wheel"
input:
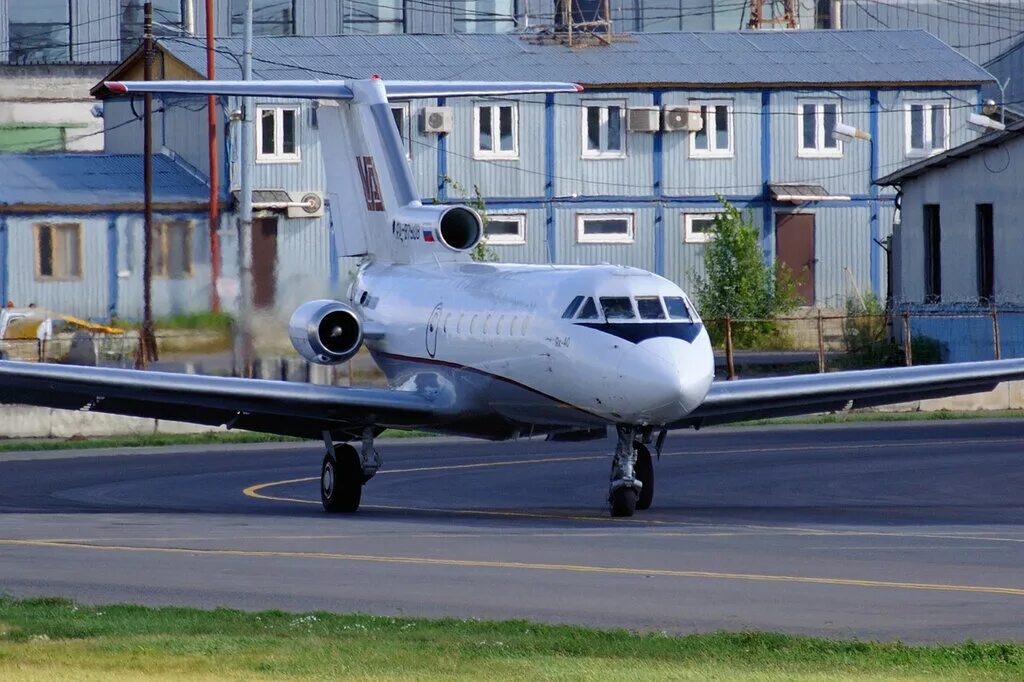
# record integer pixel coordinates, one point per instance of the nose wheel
(632, 480)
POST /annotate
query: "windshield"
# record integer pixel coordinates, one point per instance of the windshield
(617, 308)
(650, 308)
(677, 309)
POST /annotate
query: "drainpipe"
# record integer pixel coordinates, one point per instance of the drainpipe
(211, 122)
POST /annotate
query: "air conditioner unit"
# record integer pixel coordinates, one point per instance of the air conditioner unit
(436, 120)
(312, 204)
(643, 119)
(682, 118)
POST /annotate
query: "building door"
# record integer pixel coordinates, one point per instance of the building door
(794, 248)
(264, 261)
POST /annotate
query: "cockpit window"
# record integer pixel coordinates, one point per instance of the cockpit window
(677, 309)
(650, 308)
(572, 308)
(617, 308)
(589, 311)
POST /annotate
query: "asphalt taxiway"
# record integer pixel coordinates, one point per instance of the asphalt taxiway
(879, 531)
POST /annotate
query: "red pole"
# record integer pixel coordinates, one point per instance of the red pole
(211, 113)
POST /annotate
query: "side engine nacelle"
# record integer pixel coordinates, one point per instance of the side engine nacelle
(326, 332)
(460, 228)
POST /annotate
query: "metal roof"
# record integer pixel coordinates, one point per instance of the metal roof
(980, 144)
(714, 58)
(85, 180)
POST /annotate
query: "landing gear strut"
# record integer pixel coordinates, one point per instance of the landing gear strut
(344, 471)
(632, 480)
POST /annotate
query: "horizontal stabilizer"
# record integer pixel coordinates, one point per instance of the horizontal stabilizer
(338, 89)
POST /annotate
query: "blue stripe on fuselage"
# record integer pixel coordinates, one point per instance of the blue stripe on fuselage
(635, 332)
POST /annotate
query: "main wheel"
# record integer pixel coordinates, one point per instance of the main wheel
(341, 480)
(644, 472)
(623, 501)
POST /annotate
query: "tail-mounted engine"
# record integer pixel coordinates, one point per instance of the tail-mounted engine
(326, 332)
(457, 227)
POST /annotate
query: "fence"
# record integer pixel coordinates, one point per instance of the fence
(848, 341)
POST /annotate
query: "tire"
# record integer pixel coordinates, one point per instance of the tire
(623, 502)
(644, 472)
(341, 480)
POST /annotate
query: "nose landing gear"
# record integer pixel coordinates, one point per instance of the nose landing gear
(632, 479)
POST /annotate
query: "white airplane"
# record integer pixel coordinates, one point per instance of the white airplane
(495, 351)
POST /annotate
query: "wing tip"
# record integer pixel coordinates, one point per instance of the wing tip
(579, 88)
(116, 86)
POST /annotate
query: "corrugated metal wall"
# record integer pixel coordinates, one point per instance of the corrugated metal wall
(86, 296)
(588, 177)
(95, 31)
(535, 250)
(639, 253)
(520, 177)
(685, 261)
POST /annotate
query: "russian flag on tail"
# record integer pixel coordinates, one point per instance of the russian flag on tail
(428, 235)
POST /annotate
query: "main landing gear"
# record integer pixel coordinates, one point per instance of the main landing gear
(344, 471)
(632, 480)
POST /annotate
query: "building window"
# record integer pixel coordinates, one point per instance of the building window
(603, 136)
(506, 228)
(714, 139)
(815, 121)
(496, 131)
(172, 249)
(372, 17)
(600, 228)
(58, 251)
(269, 17)
(986, 253)
(39, 32)
(277, 134)
(484, 16)
(400, 112)
(927, 127)
(932, 254)
(698, 228)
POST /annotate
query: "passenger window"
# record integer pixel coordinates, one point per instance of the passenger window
(446, 318)
(572, 308)
(677, 308)
(487, 322)
(589, 311)
(497, 328)
(618, 308)
(512, 326)
(472, 325)
(458, 329)
(650, 308)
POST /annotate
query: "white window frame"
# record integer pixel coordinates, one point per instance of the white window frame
(603, 152)
(277, 156)
(712, 152)
(583, 238)
(519, 238)
(929, 149)
(819, 151)
(161, 246)
(495, 107)
(405, 131)
(691, 236)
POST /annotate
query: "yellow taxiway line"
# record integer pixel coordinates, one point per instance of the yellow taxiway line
(528, 566)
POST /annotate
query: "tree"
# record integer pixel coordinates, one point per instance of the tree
(739, 284)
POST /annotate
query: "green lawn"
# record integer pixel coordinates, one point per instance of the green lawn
(51, 639)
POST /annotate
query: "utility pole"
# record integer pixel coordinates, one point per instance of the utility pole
(245, 219)
(147, 340)
(211, 121)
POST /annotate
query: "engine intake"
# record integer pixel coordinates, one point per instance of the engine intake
(325, 332)
(459, 228)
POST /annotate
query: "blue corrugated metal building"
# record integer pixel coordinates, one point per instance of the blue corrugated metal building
(570, 181)
(71, 234)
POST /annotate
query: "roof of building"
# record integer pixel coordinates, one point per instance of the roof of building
(995, 138)
(714, 58)
(35, 181)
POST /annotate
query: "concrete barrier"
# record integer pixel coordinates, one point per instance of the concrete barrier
(19, 421)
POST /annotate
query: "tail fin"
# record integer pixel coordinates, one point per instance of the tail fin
(373, 197)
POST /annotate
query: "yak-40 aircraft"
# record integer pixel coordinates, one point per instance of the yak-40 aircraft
(495, 351)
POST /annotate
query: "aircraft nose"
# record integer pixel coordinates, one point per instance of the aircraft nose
(685, 372)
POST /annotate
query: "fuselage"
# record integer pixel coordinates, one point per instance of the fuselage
(540, 345)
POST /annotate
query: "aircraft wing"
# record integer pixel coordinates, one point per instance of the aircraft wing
(286, 408)
(732, 401)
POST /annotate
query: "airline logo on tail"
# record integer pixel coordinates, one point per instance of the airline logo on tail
(371, 183)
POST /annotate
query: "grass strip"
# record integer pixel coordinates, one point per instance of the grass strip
(57, 639)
